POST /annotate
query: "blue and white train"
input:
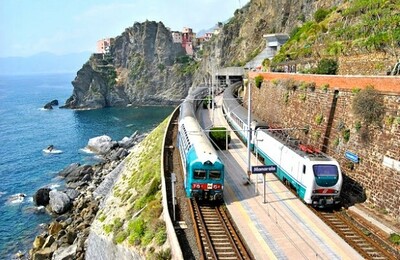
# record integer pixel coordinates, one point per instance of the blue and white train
(203, 170)
(316, 177)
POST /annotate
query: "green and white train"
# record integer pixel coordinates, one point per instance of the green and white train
(315, 176)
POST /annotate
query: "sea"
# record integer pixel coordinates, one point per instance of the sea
(26, 129)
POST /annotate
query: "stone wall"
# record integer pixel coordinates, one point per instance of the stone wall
(322, 115)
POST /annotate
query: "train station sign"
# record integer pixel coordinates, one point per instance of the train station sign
(263, 169)
(351, 156)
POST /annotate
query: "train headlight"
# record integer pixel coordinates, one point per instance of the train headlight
(217, 186)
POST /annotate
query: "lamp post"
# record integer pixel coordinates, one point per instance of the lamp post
(249, 130)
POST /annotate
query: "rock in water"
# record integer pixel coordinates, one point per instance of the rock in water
(41, 197)
(100, 144)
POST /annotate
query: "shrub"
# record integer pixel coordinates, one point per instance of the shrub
(395, 238)
(258, 80)
(389, 120)
(357, 126)
(275, 82)
(316, 135)
(108, 228)
(286, 97)
(320, 15)
(120, 237)
(136, 229)
(368, 105)
(327, 66)
(161, 67)
(325, 87)
(346, 135)
(303, 97)
(336, 141)
(303, 86)
(218, 137)
(207, 101)
(165, 254)
(319, 118)
(311, 86)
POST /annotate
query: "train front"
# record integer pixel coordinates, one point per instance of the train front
(327, 184)
(205, 178)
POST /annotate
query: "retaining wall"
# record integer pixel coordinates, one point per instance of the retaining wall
(327, 113)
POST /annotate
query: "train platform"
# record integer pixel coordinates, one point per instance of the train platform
(274, 223)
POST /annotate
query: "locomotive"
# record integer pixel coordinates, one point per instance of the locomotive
(315, 176)
(203, 169)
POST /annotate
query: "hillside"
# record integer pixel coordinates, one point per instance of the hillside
(361, 36)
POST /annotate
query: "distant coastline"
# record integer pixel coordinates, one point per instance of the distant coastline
(43, 63)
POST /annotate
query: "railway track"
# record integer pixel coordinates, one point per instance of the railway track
(360, 239)
(216, 235)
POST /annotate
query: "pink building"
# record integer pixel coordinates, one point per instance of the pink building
(103, 45)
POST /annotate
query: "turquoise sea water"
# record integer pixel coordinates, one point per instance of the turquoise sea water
(26, 129)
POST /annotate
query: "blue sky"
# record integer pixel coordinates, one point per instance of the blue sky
(28, 27)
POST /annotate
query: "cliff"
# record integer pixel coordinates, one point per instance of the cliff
(143, 67)
(241, 38)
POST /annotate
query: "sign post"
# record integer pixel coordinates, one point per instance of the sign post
(263, 169)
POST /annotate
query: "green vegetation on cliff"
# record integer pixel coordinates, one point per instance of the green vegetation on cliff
(359, 26)
(132, 214)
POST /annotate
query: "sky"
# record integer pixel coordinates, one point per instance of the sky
(28, 27)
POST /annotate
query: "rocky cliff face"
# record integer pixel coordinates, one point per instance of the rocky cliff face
(141, 69)
(241, 39)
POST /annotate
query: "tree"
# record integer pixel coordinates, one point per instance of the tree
(327, 66)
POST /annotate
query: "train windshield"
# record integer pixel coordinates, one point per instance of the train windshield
(326, 175)
(215, 175)
(199, 174)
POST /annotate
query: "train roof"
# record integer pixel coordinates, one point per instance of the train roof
(188, 105)
(307, 151)
(198, 139)
(232, 104)
(191, 128)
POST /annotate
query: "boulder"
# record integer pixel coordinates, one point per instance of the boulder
(54, 228)
(64, 253)
(101, 144)
(48, 106)
(78, 173)
(72, 193)
(128, 142)
(72, 167)
(43, 254)
(54, 102)
(41, 197)
(59, 202)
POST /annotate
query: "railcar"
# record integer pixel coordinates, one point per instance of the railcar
(203, 169)
(315, 176)
(237, 115)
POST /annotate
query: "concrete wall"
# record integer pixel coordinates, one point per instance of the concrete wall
(376, 177)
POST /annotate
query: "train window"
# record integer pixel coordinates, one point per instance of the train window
(215, 175)
(199, 174)
(326, 175)
(304, 169)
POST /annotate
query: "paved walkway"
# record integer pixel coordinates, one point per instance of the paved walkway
(277, 225)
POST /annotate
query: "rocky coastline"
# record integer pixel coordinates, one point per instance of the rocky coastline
(75, 207)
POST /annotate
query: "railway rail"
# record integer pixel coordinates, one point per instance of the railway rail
(360, 238)
(216, 233)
